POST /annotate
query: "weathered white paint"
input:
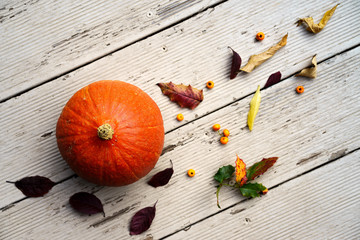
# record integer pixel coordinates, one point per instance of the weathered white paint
(195, 52)
(305, 131)
(40, 40)
(319, 205)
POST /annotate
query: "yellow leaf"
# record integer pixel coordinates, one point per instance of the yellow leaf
(313, 27)
(311, 71)
(240, 170)
(254, 108)
(256, 60)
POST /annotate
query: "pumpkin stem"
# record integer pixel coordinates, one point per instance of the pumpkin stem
(105, 132)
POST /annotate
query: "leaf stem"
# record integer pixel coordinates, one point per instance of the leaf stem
(217, 195)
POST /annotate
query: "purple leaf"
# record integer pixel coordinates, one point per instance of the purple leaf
(86, 203)
(235, 65)
(273, 79)
(142, 220)
(34, 186)
(161, 178)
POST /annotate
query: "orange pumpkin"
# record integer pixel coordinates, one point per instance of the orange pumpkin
(110, 133)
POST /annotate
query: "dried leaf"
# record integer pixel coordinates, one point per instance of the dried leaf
(161, 178)
(256, 60)
(254, 108)
(240, 171)
(252, 189)
(273, 79)
(260, 167)
(34, 186)
(235, 65)
(87, 203)
(224, 173)
(311, 71)
(313, 27)
(185, 96)
(142, 220)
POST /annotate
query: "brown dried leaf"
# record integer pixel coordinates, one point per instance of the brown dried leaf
(311, 71)
(256, 60)
(185, 96)
(313, 27)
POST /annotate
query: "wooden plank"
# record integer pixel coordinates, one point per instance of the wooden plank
(30, 119)
(296, 128)
(41, 40)
(319, 205)
(82, 43)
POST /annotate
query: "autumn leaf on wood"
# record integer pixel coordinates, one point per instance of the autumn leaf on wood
(252, 189)
(240, 171)
(34, 186)
(256, 60)
(87, 203)
(224, 173)
(142, 220)
(185, 96)
(311, 71)
(161, 178)
(254, 108)
(313, 27)
(235, 64)
(273, 79)
(260, 167)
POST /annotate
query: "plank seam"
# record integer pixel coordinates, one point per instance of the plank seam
(176, 128)
(263, 88)
(114, 51)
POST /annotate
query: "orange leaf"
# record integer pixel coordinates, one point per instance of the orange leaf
(240, 171)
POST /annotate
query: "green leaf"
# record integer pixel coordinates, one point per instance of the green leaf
(252, 189)
(260, 167)
(223, 173)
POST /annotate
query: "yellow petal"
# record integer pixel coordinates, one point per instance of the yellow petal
(256, 60)
(311, 71)
(313, 27)
(254, 108)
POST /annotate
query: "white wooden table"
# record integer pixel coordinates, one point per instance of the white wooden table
(50, 49)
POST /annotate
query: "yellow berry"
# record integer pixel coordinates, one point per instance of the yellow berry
(224, 140)
(260, 36)
(210, 84)
(226, 132)
(191, 172)
(216, 127)
(299, 89)
(180, 117)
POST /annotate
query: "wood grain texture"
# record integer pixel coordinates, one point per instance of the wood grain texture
(43, 39)
(192, 52)
(319, 205)
(290, 126)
